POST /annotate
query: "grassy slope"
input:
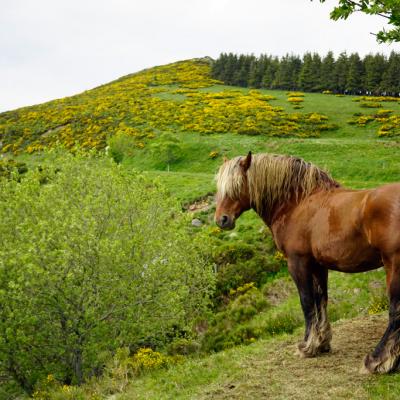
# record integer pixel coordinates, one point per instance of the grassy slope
(354, 155)
(267, 368)
(357, 158)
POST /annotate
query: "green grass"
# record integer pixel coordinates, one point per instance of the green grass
(356, 163)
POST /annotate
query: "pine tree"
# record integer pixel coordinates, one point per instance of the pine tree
(241, 76)
(295, 68)
(316, 72)
(218, 67)
(355, 74)
(257, 71)
(374, 67)
(340, 72)
(272, 66)
(231, 66)
(306, 78)
(391, 76)
(328, 81)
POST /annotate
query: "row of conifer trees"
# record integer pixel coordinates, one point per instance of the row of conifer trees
(374, 74)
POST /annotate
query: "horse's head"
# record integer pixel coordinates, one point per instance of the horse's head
(233, 191)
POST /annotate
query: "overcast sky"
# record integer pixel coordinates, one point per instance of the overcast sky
(56, 48)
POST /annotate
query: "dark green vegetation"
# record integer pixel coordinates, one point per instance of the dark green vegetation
(349, 74)
(255, 303)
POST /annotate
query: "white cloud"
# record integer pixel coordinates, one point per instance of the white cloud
(57, 48)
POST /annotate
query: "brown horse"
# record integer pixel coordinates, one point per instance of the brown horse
(320, 225)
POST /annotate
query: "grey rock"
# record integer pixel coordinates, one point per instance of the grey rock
(196, 222)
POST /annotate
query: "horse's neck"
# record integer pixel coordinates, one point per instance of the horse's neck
(278, 212)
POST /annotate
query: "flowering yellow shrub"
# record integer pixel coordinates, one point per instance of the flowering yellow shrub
(295, 94)
(295, 99)
(391, 127)
(378, 303)
(145, 104)
(279, 256)
(370, 104)
(376, 98)
(242, 289)
(147, 359)
(390, 124)
(213, 154)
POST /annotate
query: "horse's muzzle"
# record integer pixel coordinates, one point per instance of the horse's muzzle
(225, 222)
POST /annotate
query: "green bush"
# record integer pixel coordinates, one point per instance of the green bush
(93, 260)
(121, 146)
(167, 149)
(239, 263)
(7, 166)
(230, 327)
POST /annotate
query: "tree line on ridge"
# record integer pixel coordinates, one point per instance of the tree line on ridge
(375, 74)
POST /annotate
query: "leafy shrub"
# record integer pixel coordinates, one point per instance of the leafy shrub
(9, 165)
(121, 146)
(284, 321)
(231, 276)
(228, 328)
(183, 346)
(117, 374)
(94, 260)
(168, 149)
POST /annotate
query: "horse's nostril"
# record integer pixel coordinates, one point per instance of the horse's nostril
(224, 219)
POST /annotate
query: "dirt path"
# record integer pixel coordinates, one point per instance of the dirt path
(278, 374)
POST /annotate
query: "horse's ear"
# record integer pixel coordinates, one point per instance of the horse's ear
(246, 162)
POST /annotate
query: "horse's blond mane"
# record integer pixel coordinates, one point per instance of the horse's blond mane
(272, 179)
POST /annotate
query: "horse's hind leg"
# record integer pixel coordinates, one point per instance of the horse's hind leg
(386, 356)
(311, 281)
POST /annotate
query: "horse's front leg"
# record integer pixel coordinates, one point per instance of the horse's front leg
(386, 356)
(311, 281)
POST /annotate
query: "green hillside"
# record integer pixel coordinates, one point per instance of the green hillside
(174, 124)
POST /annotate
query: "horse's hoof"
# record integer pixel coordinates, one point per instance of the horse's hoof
(378, 365)
(326, 348)
(304, 351)
(370, 365)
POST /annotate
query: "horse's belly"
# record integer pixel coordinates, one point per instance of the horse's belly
(346, 256)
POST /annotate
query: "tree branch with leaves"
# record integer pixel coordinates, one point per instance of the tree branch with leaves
(388, 9)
